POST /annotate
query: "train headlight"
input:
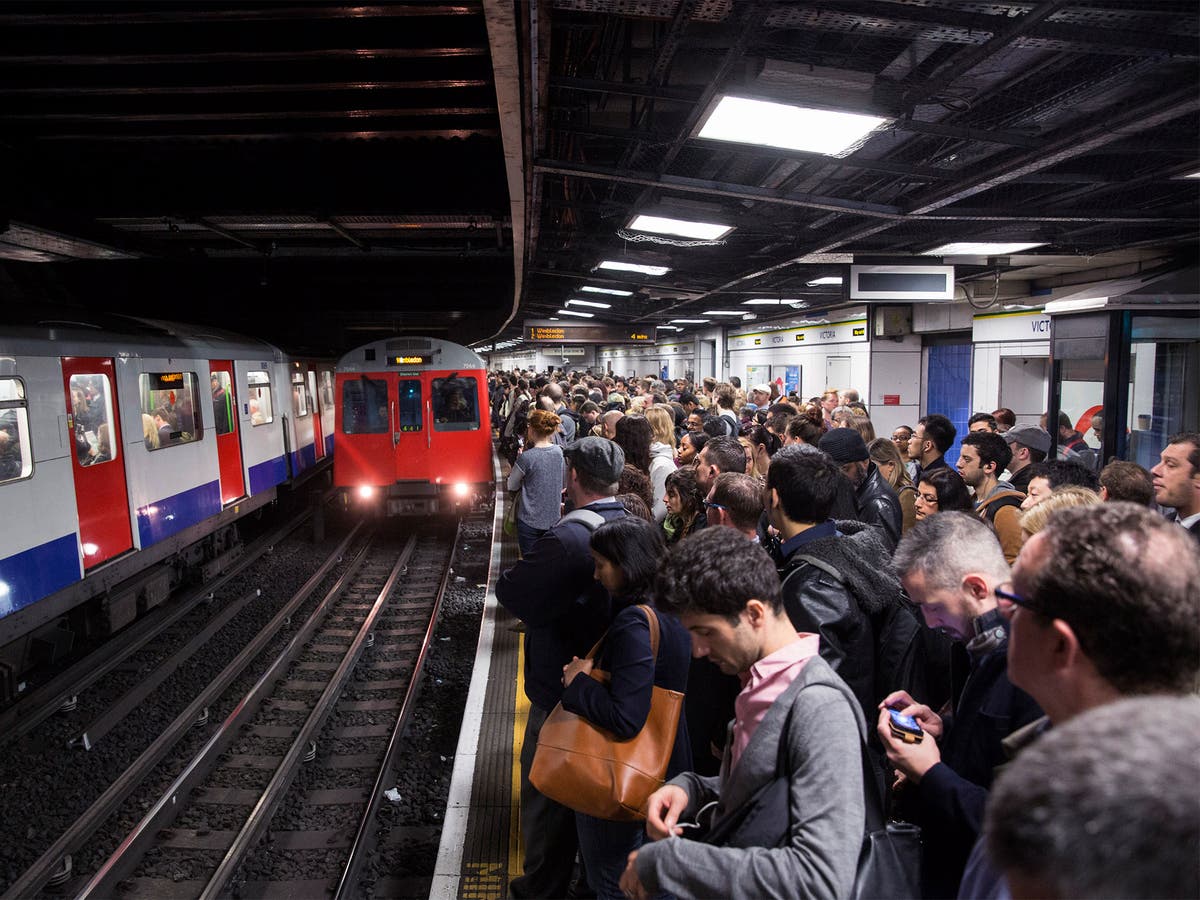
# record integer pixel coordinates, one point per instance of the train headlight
(461, 489)
(366, 492)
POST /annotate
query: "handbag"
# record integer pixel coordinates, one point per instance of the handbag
(509, 525)
(587, 769)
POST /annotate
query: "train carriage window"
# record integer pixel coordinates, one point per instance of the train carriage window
(299, 395)
(171, 413)
(222, 400)
(410, 405)
(326, 389)
(258, 398)
(454, 403)
(364, 406)
(91, 413)
(16, 457)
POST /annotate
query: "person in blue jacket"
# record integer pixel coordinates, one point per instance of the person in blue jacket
(627, 554)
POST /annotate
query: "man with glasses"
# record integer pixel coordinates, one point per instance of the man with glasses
(1104, 603)
(735, 501)
(952, 566)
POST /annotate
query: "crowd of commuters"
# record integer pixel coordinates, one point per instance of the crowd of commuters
(1023, 610)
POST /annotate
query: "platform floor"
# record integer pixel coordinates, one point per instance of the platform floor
(480, 849)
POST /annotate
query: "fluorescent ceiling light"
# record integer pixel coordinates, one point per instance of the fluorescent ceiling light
(668, 328)
(980, 248)
(704, 231)
(827, 279)
(589, 303)
(721, 312)
(771, 301)
(1193, 175)
(1076, 305)
(599, 290)
(689, 321)
(618, 266)
(571, 312)
(746, 121)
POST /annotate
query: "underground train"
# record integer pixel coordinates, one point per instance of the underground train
(129, 448)
(412, 431)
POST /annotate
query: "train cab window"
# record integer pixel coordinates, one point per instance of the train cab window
(222, 400)
(16, 458)
(171, 414)
(410, 405)
(91, 415)
(364, 406)
(258, 398)
(454, 403)
(299, 395)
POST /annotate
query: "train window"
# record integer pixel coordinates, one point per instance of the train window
(170, 412)
(91, 413)
(454, 403)
(326, 389)
(258, 398)
(364, 406)
(410, 405)
(222, 400)
(299, 395)
(16, 457)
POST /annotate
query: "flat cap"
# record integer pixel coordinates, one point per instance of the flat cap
(598, 457)
(1030, 436)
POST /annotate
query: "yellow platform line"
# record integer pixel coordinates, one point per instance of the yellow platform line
(516, 847)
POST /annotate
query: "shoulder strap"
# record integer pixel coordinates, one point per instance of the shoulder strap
(652, 619)
(823, 566)
(589, 519)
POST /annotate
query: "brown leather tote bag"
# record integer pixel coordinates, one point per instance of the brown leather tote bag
(586, 768)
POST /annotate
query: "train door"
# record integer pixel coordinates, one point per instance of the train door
(317, 409)
(412, 435)
(94, 435)
(368, 418)
(229, 449)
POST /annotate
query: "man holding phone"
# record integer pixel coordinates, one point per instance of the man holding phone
(951, 565)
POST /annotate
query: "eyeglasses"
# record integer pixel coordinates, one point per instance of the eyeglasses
(1013, 600)
(708, 504)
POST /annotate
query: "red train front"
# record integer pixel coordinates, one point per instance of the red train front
(412, 434)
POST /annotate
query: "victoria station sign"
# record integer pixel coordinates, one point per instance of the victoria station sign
(544, 332)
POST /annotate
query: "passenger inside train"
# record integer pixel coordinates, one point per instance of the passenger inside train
(1023, 596)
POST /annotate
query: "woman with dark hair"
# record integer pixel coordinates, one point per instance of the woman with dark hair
(765, 443)
(942, 490)
(690, 446)
(627, 553)
(634, 481)
(685, 505)
(634, 436)
(807, 427)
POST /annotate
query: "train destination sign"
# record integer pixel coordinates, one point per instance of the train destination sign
(584, 333)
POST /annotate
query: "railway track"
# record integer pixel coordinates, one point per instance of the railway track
(330, 707)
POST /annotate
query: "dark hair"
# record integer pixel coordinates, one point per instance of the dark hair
(1127, 481)
(992, 447)
(588, 406)
(636, 547)
(741, 495)
(1059, 472)
(783, 408)
(952, 492)
(687, 397)
(726, 453)
(696, 438)
(714, 426)
(1005, 416)
(635, 506)
(686, 484)
(724, 396)
(635, 481)
(1127, 581)
(1188, 437)
(760, 434)
(803, 428)
(807, 483)
(940, 430)
(634, 435)
(690, 581)
(983, 417)
(1069, 813)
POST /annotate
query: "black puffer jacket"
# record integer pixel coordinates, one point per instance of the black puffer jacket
(841, 610)
(878, 505)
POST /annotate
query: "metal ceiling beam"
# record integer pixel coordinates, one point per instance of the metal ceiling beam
(289, 135)
(182, 15)
(353, 239)
(228, 235)
(223, 57)
(968, 133)
(674, 94)
(322, 87)
(255, 115)
(716, 189)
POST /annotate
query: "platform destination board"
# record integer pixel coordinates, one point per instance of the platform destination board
(586, 333)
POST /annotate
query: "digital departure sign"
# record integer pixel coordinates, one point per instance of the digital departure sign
(570, 333)
(408, 360)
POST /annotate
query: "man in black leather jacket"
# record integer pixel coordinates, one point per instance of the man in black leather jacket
(877, 503)
(836, 576)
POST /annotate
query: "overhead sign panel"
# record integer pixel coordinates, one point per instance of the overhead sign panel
(897, 282)
(586, 333)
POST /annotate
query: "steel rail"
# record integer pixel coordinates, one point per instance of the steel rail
(33, 879)
(364, 842)
(281, 780)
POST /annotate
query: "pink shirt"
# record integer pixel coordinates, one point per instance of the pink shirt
(768, 678)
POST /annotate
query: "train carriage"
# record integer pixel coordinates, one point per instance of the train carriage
(412, 432)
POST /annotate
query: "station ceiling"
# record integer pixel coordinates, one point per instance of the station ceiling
(320, 174)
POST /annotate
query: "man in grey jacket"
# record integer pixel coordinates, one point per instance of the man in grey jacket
(794, 717)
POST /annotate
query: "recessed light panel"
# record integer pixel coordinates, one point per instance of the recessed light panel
(704, 231)
(612, 292)
(572, 312)
(827, 279)
(617, 266)
(589, 303)
(689, 321)
(768, 124)
(721, 312)
(981, 248)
